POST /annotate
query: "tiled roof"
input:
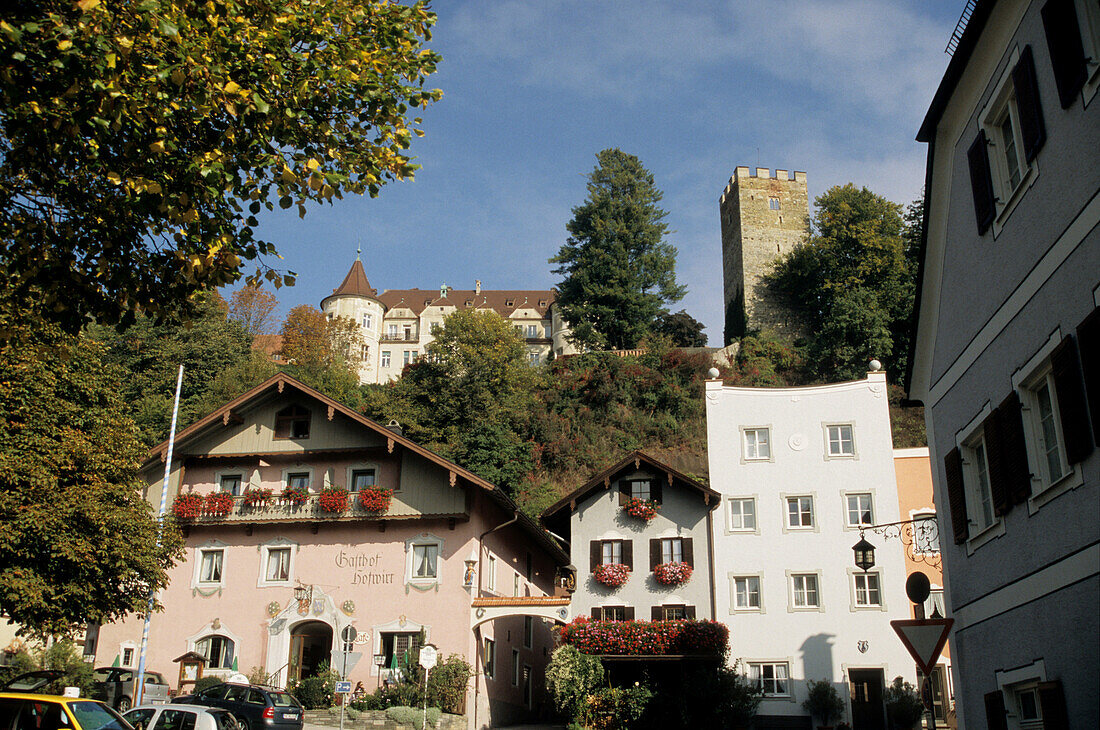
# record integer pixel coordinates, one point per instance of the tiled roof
(490, 601)
(503, 301)
(355, 283)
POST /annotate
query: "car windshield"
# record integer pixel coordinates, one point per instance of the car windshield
(97, 716)
(282, 699)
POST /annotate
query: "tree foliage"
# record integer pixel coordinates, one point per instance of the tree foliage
(681, 328)
(254, 308)
(852, 284)
(571, 676)
(78, 543)
(140, 138)
(323, 353)
(618, 269)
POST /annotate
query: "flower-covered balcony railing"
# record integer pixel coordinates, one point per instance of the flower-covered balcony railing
(647, 638)
(262, 505)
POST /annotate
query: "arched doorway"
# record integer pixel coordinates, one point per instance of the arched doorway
(310, 645)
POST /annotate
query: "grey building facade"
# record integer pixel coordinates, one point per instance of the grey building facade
(1006, 358)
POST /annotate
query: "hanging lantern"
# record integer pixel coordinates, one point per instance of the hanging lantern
(865, 554)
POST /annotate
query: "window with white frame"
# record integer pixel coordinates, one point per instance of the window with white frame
(860, 510)
(1028, 708)
(491, 573)
(391, 331)
(1045, 422)
(804, 591)
(361, 479)
(773, 203)
(867, 590)
(979, 493)
(757, 444)
(230, 484)
(217, 650)
(641, 489)
(385, 358)
(672, 550)
(746, 593)
(532, 330)
(127, 656)
(533, 358)
(425, 559)
(517, 585)
(406, 357)
(423, 563)
(528, 632)
(840, 440)
(800, 512)
(210, 565)
(298, 480)
(368, 321)
(611, 552)
(277, 569)
(742, 513)
(772, 677)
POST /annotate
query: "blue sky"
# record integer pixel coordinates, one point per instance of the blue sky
(533, 89)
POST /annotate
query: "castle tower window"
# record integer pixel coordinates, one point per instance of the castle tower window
(292, 423)
(773, 203)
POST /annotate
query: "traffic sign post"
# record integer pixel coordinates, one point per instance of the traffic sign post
(428, 657)
(925, 639)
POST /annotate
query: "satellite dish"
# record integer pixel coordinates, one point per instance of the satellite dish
(917, 587)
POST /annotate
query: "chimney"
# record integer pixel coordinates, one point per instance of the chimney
(477, 286)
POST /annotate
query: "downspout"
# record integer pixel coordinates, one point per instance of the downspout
(710, 562)
(477, 654)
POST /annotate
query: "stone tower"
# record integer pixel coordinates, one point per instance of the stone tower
(763, 217)
(357, 299)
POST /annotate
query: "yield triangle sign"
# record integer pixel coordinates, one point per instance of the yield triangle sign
(924, 638)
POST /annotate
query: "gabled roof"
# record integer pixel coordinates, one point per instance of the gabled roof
(355, 283)
(632, 461)
(503, 301)
(282, 381)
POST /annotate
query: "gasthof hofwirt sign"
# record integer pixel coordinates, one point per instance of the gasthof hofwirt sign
(365, 570)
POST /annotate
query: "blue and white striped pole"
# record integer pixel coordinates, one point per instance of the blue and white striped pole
(139, 680)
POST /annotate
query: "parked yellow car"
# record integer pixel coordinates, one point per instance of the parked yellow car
(20, 711)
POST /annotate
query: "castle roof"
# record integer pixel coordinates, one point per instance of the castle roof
(503, 301)
(355, 283)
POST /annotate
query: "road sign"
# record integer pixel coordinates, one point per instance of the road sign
(348, 634)
(343, 688)
(924, 638)
(345, 661)
(428, 656)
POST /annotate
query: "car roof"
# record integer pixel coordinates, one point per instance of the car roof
(59, 699)
(178, 706)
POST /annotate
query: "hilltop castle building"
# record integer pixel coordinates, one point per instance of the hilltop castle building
(763, 218)
(398, 324)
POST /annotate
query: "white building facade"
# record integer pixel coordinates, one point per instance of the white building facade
(800, 470)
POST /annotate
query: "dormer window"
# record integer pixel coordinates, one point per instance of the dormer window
(292, 423)
(509, 302)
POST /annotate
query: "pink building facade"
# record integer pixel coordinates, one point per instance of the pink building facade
(451, 562)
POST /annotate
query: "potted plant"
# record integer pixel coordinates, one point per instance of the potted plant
(333, 499)
(375, 499)
(672, 574)
(611, 575)
(904, 707)
(823, 702)
(295, 495)
(255, 497)
(643, 509)
(187, 506)
(219, 504)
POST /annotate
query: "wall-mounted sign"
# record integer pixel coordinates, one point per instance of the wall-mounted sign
(364, 569)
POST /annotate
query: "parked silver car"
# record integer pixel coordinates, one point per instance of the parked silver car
(115, 686)
(180, 717)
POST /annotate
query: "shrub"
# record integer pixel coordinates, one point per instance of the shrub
(316, 693)
(617, 708)
(823, 701)
(570, 677)
(715, 698)
(403, 693)
(67, 658)
(204, 682)
(364, 703)
(904, 707)
(352, 713)
(19, 663)
(413, 715)
(257, 675)
(447, 683)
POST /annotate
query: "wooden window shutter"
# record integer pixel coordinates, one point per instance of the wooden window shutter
(981, 183)
(1067, 53)
(654, 553)
(657, 613)
(1032, 129)
(628, 613)
(1088, 343)
(656, 490)
(628, 553)
(689, 613)
(597, 613)
(996, 457)
(995, 718)
(1052, 703)
(689, 551)
(596, 552)
(1071, 400)
(956, 495)
(1017, 472)
(624, 492)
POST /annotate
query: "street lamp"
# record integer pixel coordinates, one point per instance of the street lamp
(864, 553)
(920, 536)
(379, 661)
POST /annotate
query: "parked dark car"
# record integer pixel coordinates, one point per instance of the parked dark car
(255, 706)
(115, 686)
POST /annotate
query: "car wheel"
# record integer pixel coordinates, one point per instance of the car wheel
(242, 723)
(123, 704)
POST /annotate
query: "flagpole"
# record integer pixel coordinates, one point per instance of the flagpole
(139, 680)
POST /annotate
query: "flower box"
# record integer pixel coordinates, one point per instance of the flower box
(334, 500)
(672, 574)
(295, 496)
(187, 506)
(254, 497)
(642, 509)
(218, 504)
(375, 499)
(708, 638)
(612, 575)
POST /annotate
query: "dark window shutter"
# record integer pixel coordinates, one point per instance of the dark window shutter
(1052, 703)
(1027, 103)
(995, 457)
(624, 492)
(597, 614)
(654, 553)
(995, 711)
(596, 551)
(1014, 449)
(689, 552)
(1088, 342)
(1067, 54)
(657, 613)
(1071, 400)
(981, 183)
(628, 613)
(628, 553)
(956, 495)
(689, 612)
(656, 491)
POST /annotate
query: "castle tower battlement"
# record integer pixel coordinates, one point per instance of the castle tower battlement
(763, 217)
